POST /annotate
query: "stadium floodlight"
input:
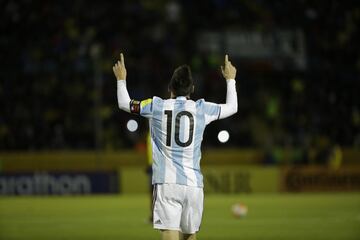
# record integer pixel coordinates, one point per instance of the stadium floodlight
(132, 125)
(223, 136)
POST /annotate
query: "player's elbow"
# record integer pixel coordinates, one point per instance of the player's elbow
(227, 110)
(234, 109)
(124, 106)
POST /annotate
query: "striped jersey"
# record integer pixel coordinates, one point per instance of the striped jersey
(177, 127)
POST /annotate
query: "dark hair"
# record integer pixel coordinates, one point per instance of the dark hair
(181, 83)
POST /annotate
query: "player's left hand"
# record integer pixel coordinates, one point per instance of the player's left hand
(228, 70)
(119, 68)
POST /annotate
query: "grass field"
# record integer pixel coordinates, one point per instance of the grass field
(283, 216)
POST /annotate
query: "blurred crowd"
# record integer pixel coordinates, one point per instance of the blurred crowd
(57, 89)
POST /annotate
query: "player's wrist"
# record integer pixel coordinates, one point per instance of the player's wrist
(228, 77)
(230, 81)
(121, 77)
(121, 83)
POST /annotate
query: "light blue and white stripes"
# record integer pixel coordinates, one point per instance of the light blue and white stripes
(178, 161)
(157, 145)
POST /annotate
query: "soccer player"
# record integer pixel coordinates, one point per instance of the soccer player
(177, 125)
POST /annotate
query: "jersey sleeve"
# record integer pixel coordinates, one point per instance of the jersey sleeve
(146, 108)
(143, 108)
(211, 111)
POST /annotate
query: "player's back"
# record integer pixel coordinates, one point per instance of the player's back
(177, 127)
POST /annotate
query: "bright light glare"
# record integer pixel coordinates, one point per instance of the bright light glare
(132, 125)
(223, 136)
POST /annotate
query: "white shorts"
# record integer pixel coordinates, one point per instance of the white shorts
(177, 207)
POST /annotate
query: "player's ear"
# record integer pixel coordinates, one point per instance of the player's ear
(193, 89)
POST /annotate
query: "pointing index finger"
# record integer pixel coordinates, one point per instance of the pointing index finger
(122, 59)
(226, 59)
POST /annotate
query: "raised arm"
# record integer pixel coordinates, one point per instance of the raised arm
(122, 93)
(231, 105)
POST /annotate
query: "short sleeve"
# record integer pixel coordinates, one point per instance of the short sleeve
(143, 108)
(211, 111)
(146, 108)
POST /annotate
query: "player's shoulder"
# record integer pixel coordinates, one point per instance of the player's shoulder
(154, 99)
(202, 103)
(157, 100)
(206, 106)
(149, 102)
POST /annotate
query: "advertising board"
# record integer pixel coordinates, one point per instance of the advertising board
(58, 183)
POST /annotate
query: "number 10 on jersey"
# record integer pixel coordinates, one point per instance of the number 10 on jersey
(178, 127)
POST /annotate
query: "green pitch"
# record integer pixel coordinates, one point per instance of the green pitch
(283, 216)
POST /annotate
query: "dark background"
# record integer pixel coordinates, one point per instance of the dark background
(57, 89)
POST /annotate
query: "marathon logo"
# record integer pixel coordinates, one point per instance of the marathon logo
(58, 183)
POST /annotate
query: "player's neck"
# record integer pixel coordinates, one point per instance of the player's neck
(173, 96)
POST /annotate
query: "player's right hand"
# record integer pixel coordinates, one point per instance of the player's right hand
(228, 70)
(119, 68)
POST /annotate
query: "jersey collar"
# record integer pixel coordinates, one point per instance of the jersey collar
(181, 98)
